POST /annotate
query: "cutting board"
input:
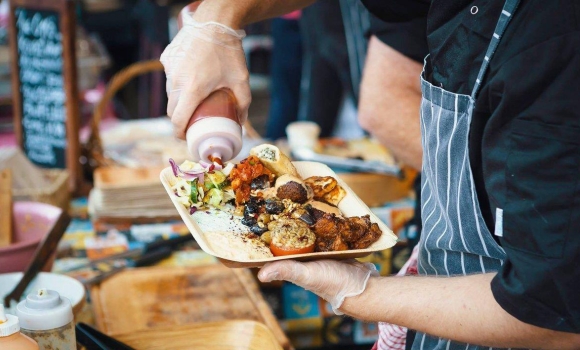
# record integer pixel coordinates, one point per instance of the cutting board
(151, 298)
(231, 335)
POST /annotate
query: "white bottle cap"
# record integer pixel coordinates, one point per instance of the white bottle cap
(8, 323)
(44, 310)
(215, 136)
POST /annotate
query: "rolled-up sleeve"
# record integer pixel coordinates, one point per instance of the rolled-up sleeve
(538, 182)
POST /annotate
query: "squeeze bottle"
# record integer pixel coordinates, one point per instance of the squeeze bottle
(47, 317)
(10, 336)
(214, 131)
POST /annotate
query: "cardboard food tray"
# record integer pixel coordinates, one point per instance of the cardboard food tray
(351, 205)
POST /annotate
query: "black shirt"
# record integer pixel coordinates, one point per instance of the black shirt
(407, 38)
(524, 139)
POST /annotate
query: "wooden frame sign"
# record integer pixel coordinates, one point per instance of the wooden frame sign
(44, 83)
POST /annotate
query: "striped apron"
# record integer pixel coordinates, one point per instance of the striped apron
(455, 239)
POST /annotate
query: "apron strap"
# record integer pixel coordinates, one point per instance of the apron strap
(506, 15)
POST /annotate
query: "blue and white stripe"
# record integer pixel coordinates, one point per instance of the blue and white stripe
(455, 240)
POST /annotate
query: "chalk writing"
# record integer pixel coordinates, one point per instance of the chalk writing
(40, 62)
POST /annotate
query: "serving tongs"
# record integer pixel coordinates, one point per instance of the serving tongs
(92, 339)
(42, 254)
(134, 254)
(147, 255)
(351, 164)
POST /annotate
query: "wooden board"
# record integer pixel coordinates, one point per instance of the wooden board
(44, 83)
(150, 298)
(351, 205)
(242, 335)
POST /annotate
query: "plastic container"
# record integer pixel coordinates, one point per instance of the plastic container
(47, 318)
(214, 130)
(303, 134)
(10, 336)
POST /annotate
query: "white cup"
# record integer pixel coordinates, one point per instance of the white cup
(303, 134)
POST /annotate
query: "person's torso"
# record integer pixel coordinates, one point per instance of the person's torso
(458, 34)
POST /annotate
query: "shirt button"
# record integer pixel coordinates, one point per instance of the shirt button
(474, 10)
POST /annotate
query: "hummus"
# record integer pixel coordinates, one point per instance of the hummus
(228, 238)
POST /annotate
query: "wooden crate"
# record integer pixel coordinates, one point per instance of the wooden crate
(57, 193)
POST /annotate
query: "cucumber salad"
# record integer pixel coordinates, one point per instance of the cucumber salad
(202, 185)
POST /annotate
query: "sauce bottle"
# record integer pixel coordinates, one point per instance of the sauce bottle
(10, 336)
(47, 317)
(214, 131)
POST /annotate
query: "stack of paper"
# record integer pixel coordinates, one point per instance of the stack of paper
(128, 193)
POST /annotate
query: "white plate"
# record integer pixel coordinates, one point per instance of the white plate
(65, 286)
(351, 205)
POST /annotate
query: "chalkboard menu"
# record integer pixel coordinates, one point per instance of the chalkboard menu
(41, 87)
(44, 82)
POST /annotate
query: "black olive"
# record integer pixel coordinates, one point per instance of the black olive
(257, 230)
(256, 200)
(249, 221)
(274, 206)
(251, 208)
(260, 183)
(231, 201)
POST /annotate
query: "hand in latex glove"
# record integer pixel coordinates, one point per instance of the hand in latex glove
(331, 280)
(202, 58)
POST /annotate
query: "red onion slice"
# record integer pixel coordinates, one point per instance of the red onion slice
(190, 175)
(187, 174)
(174, 167)
(193, 172)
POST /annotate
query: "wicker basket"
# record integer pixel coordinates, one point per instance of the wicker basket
(57, 193)
(93, 149)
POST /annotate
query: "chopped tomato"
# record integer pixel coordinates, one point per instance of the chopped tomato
(279, 251)
(242, 176)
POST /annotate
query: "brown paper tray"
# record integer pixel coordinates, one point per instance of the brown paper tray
(351, 205)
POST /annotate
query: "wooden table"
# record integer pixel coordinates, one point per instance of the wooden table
(160, 297)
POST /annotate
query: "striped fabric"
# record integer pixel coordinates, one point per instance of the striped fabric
(454, 240)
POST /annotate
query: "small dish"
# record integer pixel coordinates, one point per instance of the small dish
(351, 205)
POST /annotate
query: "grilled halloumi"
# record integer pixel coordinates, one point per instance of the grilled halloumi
(326, 189)
(335, 196)
(321, 185)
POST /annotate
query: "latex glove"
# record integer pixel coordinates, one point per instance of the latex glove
(202, 58)
(331, 280)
